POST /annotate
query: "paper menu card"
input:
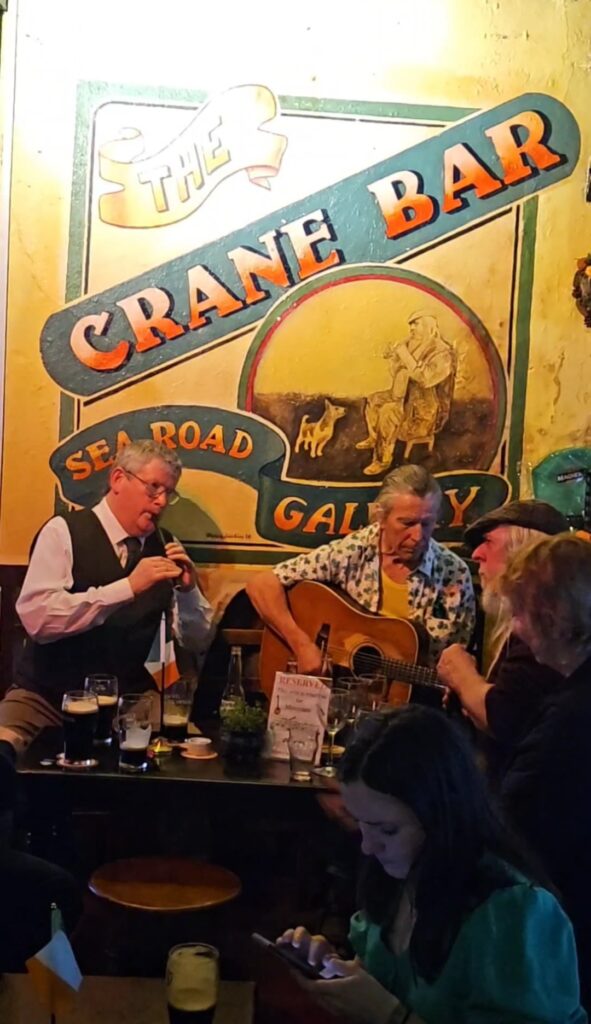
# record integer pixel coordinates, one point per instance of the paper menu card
(296, 699)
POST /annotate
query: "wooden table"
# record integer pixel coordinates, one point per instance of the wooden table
(124, 1000)
(168, 770)
(267, 829)
(256, 823)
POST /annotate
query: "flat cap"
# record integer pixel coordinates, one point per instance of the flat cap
(531, 514)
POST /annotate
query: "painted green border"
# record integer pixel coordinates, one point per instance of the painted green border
(237, 556)
(522, 341)
(92, 95)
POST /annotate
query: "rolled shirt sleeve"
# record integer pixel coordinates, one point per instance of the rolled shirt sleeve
(46, 607)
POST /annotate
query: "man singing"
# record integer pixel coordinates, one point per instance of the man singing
(97, 584)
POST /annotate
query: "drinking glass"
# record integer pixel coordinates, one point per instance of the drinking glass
(80, 715)
(106, 689)
(338, 709)
(192, 982)
(134, 722)
(177, 704)
(376, 684)
(357, 696)
(303, 745)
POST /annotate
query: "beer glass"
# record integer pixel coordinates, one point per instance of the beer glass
(134, 722)
(192, 981)
(377, 687)
(80, 715)
(303, 745)
(178, 701)
(106, 689)
(358, 696)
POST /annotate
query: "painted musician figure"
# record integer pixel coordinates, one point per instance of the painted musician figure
(97, 584)
(392, 568)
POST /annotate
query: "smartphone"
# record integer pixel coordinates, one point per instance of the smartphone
(289, 955)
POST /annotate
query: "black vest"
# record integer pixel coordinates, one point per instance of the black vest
(121, 644)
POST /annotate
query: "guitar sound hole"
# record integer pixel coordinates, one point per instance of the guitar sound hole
(367, 659)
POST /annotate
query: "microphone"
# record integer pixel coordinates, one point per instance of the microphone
(176, 584)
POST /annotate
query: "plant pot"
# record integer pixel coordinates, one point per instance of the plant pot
(243, 747)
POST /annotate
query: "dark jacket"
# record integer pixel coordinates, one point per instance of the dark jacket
(120, 645)
(546, 794)
(520, 685)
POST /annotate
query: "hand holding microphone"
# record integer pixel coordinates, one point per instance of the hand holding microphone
(176, 553)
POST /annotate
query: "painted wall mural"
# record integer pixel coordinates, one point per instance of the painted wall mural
(354, 366)
(297, 293)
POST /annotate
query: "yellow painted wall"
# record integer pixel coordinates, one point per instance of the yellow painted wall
(467, 53)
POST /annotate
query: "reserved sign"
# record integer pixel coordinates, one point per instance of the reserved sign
(296, 701)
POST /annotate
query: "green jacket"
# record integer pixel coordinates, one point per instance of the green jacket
(513, 962)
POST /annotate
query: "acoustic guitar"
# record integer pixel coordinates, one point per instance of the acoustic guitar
(357, 641)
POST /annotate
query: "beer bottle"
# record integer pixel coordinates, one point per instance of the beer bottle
(234, 690)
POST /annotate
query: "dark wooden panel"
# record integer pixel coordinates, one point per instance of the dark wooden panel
(11, 631)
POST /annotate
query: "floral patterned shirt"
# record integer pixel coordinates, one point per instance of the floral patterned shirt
(440, 593)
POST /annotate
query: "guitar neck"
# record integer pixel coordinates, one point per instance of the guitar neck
(406, 673)
(402, 671)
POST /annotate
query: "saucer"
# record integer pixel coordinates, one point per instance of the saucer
(77, 766)
(198, 757)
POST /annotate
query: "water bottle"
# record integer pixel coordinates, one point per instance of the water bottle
(234, 690)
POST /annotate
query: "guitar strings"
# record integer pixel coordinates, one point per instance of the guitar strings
(419, 673)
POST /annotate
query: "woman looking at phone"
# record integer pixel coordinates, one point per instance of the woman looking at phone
(452, 928)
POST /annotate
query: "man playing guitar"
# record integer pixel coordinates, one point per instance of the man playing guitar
(391, 568)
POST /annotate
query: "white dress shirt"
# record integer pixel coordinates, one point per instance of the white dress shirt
(48, 610)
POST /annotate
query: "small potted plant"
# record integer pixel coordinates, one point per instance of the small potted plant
(243, 732)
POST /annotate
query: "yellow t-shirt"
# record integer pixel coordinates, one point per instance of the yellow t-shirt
(394, 601)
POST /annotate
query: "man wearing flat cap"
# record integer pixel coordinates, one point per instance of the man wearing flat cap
(417, 404)
(502, 701)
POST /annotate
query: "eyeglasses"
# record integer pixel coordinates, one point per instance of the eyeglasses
(155, 490)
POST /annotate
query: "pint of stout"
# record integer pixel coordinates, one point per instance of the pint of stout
(192, 980)
(133, 744)
(134, 721)
(174, 721)
(107, 708)
(178, 700)
(80, 715)
(106, 689)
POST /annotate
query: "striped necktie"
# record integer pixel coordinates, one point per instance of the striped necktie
(134, 552)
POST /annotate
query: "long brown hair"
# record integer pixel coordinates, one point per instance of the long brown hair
(550, 584)
(424, 760)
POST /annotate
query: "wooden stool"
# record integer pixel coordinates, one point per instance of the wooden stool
(167, 885)
(153, 904)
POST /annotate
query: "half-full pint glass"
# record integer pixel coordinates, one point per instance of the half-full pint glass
(178, 700)
(192, 980)
(134, 720)
(107, 690)
(80, 715)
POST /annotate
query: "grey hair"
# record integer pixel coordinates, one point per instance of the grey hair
(409, 479)
(138, 453)
(516, 538)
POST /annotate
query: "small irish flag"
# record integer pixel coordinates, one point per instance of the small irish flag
(53, 970)
(162, 654)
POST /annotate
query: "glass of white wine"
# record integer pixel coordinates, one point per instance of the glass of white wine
(338, 709)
